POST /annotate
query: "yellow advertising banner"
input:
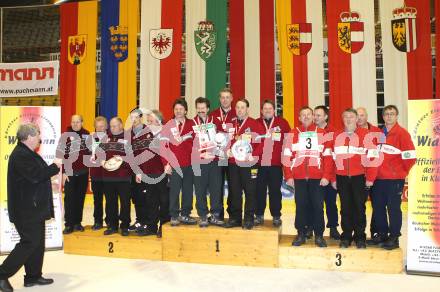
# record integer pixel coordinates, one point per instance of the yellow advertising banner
(423, 253)
(48, 120)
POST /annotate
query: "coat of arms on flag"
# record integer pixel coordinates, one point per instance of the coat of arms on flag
(350, 33)
(299, 38)
(119, 42)
(404, 29)
(77, 49)
(161, 43)
(205, 38)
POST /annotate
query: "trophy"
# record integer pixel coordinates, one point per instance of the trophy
(241, 150)
(221, 141)
(113, 163)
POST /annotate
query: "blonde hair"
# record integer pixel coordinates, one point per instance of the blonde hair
(100, 119)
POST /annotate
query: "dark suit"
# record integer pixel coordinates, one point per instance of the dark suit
(30, 203)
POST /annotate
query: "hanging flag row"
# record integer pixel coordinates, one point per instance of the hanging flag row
(253, 41)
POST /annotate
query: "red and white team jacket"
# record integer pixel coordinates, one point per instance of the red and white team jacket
(355, 154)
(399, 154)
(308, 156)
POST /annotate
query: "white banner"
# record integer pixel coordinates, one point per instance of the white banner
(29, 79)
(49, 121)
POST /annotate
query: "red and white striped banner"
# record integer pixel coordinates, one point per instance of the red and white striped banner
(351, 57)
(252, 46)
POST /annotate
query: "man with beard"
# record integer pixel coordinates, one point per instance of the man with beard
(207, 172)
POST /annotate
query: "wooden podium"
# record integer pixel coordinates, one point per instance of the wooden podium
(308, 256)
(95, 243)
(263, 246)
(217, 245)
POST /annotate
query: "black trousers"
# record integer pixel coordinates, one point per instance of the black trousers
(98, 200)
(331, 209)
(209, 181)
(139, 203)
(353, 198)
(225, 178)
(156, 201)
(183, 183)
(309, 200)
(373, 228)
(242, 179)
(114, 190)
(269, 177)
(387, 200)
(74, 195)
(29, 251)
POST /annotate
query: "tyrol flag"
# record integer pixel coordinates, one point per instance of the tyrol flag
(161, 43)
(160, 54)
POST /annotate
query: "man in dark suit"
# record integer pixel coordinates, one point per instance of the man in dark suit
(30, 203)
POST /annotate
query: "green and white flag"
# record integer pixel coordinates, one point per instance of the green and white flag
(206, 23)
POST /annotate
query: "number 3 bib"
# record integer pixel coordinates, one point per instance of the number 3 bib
(308, 141)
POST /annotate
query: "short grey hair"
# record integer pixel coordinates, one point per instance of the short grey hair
(158, 115)
(26, 130)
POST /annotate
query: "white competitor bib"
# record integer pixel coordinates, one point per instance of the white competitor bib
(308, 141)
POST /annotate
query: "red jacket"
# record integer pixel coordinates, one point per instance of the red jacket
(354, 156)
(329, 136)
(178, 146)
(75, 151)
(146, 152)
(304, 162)
(374, 129)
(225, 121)
(116, 146)
(273, 144)
(399, 154)
(249, 129)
